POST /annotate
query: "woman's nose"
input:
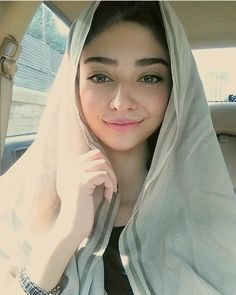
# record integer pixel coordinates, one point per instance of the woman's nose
(123, 100)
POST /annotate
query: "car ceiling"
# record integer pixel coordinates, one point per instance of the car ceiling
(207, 23)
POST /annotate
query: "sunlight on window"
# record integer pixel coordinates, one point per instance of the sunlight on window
(62, 28)
(218, 72)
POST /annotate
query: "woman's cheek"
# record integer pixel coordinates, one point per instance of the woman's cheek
(87, 95)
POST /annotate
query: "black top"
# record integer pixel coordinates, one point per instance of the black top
(116, 281)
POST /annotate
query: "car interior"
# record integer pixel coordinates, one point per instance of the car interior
(208, 24)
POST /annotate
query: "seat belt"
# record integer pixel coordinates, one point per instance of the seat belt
(6, 86)
(9, 52)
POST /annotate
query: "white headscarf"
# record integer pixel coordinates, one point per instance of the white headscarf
(181, 237)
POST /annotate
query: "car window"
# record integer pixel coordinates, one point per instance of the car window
(217, 70)
(43, 47)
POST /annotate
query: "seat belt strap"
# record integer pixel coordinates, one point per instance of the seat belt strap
(9, 51)
(6, 85)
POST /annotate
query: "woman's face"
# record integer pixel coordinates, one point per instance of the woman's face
(124, 85)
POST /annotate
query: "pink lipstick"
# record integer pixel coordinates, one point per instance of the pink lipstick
(122, 125)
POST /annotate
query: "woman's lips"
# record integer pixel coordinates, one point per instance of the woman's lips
(123, 125)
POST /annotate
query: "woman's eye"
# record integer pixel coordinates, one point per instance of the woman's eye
(99, 78)
(150, 79)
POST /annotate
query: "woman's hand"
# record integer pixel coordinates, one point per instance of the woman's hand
(76, 217)
(80, 179)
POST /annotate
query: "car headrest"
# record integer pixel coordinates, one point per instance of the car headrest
(223, 116)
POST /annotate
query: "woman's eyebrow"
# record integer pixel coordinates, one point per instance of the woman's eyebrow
(113, 62)
(150, 61)
(101, 59)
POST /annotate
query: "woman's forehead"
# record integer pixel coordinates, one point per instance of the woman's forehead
(124, 38)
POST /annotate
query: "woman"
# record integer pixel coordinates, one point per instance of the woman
(130, 193)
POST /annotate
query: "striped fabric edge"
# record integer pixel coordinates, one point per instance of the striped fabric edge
(97, 244)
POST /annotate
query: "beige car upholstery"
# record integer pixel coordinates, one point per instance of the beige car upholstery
(224, 120)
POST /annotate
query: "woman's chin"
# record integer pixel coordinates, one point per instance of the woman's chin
(121, 146)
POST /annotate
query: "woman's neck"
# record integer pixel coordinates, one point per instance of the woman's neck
(130, 170)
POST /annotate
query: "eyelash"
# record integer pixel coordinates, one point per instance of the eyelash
(156, 79)
(92, 78)
(106, 79)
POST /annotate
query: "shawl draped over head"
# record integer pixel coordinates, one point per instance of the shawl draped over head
(181, 238)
